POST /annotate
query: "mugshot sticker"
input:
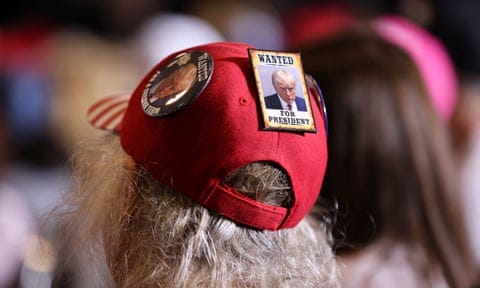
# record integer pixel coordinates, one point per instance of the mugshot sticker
(177, 84)
(282, 92)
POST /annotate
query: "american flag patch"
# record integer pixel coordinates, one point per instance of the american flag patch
(107, 113)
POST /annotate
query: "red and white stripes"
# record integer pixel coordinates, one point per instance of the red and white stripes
(107, 113)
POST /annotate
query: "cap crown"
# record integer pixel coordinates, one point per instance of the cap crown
(194, 149)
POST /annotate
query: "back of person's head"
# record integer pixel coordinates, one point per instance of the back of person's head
(195, 193)
(389, 157)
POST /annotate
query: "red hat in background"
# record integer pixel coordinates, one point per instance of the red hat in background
(311, 22)
(432, 59)
(216, 130)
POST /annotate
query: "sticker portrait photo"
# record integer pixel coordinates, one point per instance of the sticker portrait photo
(282, 92)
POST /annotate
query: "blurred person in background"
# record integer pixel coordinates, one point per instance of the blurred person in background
(247, 21)
(456, 24)
(16, 221)
(465, 129)
(167, 32)
(31, 173)
(390, 167)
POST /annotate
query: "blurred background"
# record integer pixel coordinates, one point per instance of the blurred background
(58, 56)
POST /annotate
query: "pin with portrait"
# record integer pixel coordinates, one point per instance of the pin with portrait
(177, 83)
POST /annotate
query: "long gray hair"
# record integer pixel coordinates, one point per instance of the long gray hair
(151, 236)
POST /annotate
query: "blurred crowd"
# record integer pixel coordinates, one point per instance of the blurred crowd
(57, 57)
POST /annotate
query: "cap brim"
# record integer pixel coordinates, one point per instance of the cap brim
(107, 113)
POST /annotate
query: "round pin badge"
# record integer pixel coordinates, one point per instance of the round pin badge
(177, 83)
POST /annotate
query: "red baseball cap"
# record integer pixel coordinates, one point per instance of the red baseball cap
(215, 129)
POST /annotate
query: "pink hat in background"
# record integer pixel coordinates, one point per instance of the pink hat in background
(431, 57)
